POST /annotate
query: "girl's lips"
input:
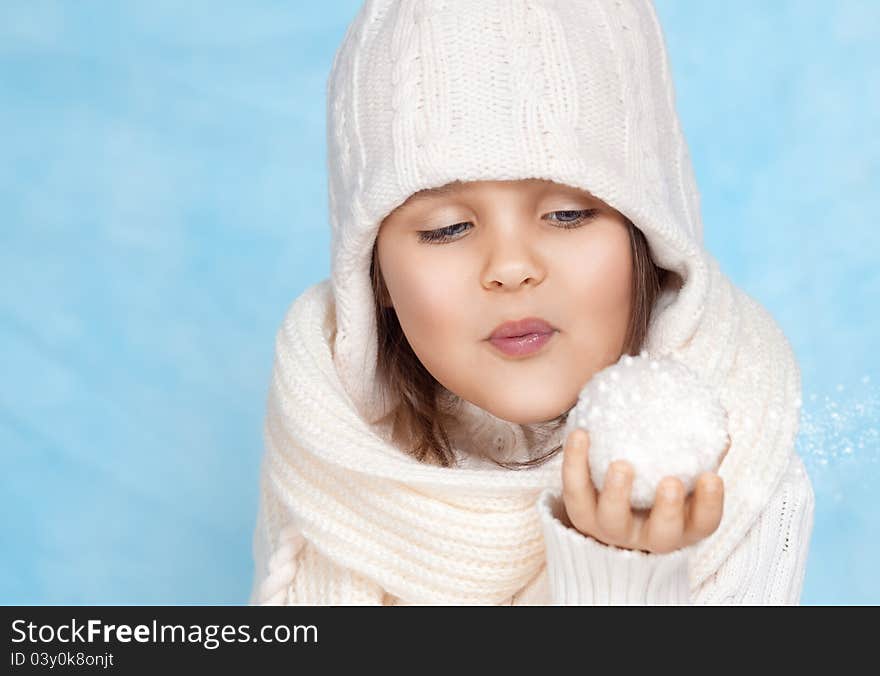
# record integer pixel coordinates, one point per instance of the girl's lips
(517, 346)
(522, 327)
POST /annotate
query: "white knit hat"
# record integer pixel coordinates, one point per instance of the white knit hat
(425, 92)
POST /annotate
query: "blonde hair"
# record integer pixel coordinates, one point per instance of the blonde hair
(417, 419)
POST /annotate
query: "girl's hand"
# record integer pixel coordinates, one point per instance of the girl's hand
(672, 523)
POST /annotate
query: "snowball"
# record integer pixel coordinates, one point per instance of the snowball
(657, 415)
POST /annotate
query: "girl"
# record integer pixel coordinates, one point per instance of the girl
(514, 165)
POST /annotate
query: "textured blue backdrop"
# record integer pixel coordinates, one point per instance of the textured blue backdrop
(163, 200)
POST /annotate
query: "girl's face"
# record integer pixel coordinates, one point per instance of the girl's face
(460, 261)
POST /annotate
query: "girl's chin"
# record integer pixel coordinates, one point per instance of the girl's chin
(521, 415)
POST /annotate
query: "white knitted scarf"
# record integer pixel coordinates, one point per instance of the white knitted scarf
(429, 534)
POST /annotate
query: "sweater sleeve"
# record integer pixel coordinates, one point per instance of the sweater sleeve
(766, 567)
(769, 564)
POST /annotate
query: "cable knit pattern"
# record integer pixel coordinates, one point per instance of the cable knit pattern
(425, 92)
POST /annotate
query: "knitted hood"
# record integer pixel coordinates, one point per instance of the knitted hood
(425, 92)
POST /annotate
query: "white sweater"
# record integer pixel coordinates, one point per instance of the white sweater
(767, 566)
(424, 92)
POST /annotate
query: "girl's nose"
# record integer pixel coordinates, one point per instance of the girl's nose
(511, 264)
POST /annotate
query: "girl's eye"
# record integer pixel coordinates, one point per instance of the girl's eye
(441, 234)
(567, 219)
(574, 217)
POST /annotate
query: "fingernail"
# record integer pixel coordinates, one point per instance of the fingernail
(616, 478)
(670, 492)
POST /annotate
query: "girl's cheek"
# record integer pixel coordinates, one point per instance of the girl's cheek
(603, 271)
(431, 307)
(599, 287)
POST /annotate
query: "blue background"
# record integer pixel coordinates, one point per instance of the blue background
(163, 200)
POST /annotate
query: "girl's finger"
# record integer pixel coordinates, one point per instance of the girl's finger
(665, 527)
(578, 492)
(615, 511)
(707, 507)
